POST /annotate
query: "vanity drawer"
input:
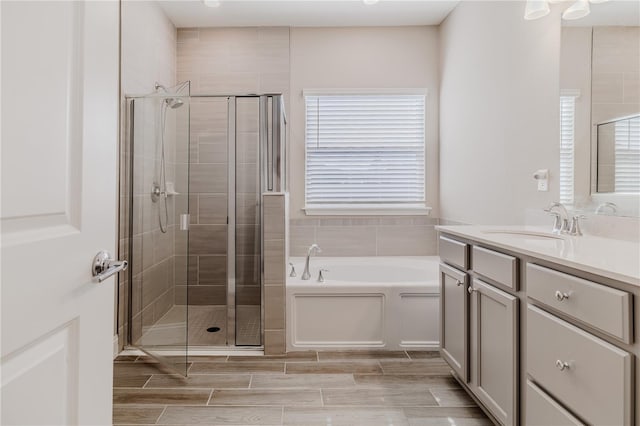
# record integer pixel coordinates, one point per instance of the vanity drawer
(542, 410)
(499, 267)
(596, 379)
(454, 252)
(599, 306)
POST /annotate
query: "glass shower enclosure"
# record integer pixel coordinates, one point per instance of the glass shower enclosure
(198, 167)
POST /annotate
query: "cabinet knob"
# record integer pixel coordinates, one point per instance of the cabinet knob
(561, 296)
(471, 289)
(459, 283)
(561, 365)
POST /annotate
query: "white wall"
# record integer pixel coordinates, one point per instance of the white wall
(499, 112)
(148, 47)
(362, 57)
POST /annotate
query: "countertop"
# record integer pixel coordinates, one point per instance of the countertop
(607, 257)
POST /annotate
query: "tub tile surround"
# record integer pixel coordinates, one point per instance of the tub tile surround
(239, 390)
(365, 236)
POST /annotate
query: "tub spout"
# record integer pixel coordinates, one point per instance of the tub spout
(312, 250)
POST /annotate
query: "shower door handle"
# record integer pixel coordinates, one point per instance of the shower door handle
(105, 266)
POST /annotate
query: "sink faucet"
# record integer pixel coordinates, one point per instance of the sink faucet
(561, 223)
(312, 250)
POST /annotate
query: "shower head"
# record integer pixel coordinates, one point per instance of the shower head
(174, 103)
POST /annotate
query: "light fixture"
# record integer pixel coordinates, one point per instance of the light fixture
(211, 3)
(535, 9)
(578, 10)
(370, 2)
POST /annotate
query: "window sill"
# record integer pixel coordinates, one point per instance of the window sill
(367, 210)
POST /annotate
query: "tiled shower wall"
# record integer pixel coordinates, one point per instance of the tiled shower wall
(207, 206)
(227, 61)
(365, 236)
(615, 88)
(148, 55)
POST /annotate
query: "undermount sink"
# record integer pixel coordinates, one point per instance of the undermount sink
(525, 234)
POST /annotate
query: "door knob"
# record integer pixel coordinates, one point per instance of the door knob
(105, 266)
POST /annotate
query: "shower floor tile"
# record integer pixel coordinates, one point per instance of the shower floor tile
(169, 329)
(261, 390)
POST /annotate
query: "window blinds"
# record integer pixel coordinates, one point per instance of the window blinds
(567, 142)
(365, 149)
(627, 155)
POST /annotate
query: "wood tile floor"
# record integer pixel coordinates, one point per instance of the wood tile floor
(300, 388)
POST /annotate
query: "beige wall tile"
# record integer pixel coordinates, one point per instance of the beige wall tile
(208, 239)
(274, 262)
(607, 87)
(202, 295)
(212, 270)
(210, 178)
(212, 209)
(347, 241)
(214, 152)
(274, 302)
(274, 342)
(406, 241)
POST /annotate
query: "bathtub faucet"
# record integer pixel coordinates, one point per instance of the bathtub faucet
(312, 250)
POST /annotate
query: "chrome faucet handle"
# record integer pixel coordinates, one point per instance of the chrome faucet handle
(320, 276)
(293, 270)
(557, 221)
(574, 228)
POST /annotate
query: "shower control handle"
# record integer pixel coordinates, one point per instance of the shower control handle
(105, 266)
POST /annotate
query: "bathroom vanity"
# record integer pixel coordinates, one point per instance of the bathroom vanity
(539, 328)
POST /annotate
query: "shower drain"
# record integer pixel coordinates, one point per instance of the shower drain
(213, 329)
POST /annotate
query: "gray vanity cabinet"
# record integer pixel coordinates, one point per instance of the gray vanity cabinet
(454, 328)
(494, 327)
(479, 324)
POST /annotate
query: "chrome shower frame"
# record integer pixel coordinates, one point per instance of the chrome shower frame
(272, 178)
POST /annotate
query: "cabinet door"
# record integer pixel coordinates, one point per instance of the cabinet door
(454, 320)
(494, 326)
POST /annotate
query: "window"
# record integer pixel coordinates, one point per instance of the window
(567, 143)
(627, 154)
(365, 152)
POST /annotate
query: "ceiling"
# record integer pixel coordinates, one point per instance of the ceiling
(306, 13)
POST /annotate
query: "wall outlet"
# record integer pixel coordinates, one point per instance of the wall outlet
(542, 176)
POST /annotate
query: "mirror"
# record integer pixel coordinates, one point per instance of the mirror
(600, 110)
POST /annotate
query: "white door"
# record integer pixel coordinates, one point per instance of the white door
(59, 151)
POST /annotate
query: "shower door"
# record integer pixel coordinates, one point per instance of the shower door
(159, 224)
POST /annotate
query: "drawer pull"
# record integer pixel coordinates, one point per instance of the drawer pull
(561, 296)
(562, 365)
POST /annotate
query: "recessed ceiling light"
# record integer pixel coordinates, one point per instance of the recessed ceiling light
(211, 3)
(369, 2)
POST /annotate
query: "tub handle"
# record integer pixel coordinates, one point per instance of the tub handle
(293, 270)
(320, 276)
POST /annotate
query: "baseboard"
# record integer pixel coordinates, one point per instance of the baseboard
(116, 346)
